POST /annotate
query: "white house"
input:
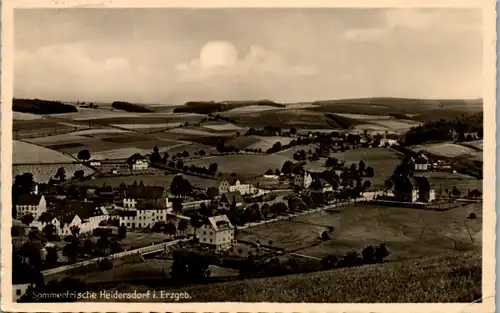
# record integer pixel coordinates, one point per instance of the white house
(45, 219)
(95, 163)
(228, 183)
(89, 215)
(420, 163)
(387, 142)
(230, 198)
(33, 204)
(138, 162)
(303, 180)
(218, 233)
(144, 206)
(67, 222)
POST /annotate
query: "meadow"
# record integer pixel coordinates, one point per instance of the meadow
(383, 161)
(244, 165)
(27, 153)
(449, 150)
(447, 180)
(43, 173)
(148, 180)
(408, 233)
(448, 278)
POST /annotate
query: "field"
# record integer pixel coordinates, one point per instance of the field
(248, 109)
(443, 180)
(245, 165)
(25, 116)
(478, 144)
(449, 278)
(42, 173)
(449, 150)
(283, 118)
(148, 180)
(365, 116)
(383, 161)
(27, 153)
(103, 143)
(408, 233)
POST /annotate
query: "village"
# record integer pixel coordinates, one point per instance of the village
(77, 223)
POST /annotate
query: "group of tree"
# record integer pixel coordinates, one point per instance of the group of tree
(266, 131)
(38, 106)
(443, 130)
(191, 266)
(180, 187)
(370, 255)
(130, 107)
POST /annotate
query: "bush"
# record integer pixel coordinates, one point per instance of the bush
(472, 216)
(105, 264)
(330, 261)
(325, 236)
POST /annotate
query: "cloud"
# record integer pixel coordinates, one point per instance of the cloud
(257, 62)
(433, 22)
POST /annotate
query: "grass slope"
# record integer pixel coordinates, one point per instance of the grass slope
(447, 278)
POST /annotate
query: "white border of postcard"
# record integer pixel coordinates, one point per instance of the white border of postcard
(489, 217)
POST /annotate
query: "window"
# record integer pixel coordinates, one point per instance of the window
(204, 233)
(210, 240)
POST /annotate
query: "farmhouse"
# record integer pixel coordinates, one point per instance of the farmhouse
(230, 183)
(320, 186)
(143, 206)
(32, 204)
(229, 199)
(138, 162)
(45, 219)
(420, 163)
(303, 180)
(386, 142)
(67, 223)
(414, 189)
(95, 163)
(218, 233)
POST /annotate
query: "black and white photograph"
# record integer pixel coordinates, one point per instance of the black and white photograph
(250, 154)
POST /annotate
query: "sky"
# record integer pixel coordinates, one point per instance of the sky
(170, 56)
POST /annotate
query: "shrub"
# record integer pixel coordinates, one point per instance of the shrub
(330, 261)
(472, 216)
(105, 264)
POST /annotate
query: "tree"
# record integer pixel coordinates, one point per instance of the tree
(201, 153)
(185, 154)
(287, 168)
(367, 184)
(115, 247)
(122, 231)
(72, 249)
(196, 222)
(79, 174)
(381, 252)
(83, 155)
(331, 162)
(32, 251)
(170, 229)
(361, 167)
(369, 172)
(293, 131)
(103, 245)
(61, 174)
(88, 247)
(50, 232)
(330, 261)
(212, 168)
(165, 157)
(155, 157)
(269, 172)
(177, 205)
(27, 219)
(182, 226)
(456, 192)
(368, 255)
(105, 264)
(51, 257)
(180, 186)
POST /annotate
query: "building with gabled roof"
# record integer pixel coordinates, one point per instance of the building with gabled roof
(217, 232)
(229, 199)
(30, 204)
(231, 183)
(414, 189)
(144, 206)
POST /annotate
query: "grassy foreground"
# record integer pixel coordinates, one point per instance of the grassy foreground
(447, 278)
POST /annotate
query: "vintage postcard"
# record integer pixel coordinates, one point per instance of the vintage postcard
(248, 156)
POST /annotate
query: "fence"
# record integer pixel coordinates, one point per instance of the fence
(143, 250)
